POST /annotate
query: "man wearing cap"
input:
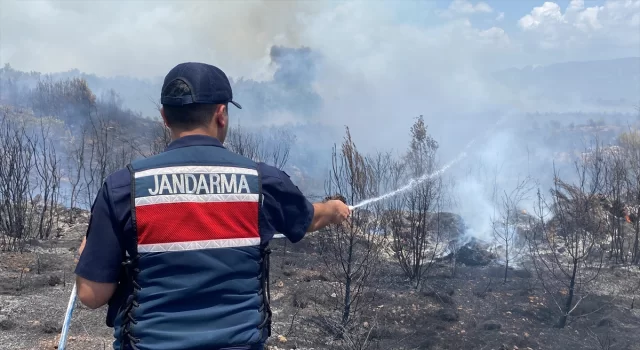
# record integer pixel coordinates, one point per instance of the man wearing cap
(177, 243)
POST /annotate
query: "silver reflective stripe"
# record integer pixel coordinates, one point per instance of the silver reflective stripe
(196, 170)
(197, 245)
(197, 198)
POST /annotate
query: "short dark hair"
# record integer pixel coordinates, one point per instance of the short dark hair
(186, 117)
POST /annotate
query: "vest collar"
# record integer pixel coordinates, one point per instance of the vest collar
(194, 140)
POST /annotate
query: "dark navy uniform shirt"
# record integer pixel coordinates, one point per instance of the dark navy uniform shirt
(284, 210)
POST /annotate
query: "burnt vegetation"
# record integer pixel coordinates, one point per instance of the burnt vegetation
(560, 270)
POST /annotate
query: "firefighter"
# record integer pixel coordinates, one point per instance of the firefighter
(177, 243)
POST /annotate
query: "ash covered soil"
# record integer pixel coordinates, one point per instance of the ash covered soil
(473, 310)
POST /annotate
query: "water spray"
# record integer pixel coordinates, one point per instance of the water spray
(413, 182)
(416, 181)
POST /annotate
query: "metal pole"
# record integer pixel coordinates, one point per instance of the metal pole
(67, 318)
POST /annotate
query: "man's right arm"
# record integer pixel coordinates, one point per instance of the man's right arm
(287, 211)
(100, 256)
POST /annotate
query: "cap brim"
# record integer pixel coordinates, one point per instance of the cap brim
(236, 104)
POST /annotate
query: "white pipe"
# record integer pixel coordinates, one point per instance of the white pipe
(67, 318)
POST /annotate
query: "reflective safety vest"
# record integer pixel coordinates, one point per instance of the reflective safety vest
(199, 272)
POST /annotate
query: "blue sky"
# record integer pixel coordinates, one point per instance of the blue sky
(423, 11)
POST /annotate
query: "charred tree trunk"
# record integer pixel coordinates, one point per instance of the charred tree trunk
(347, 287)
(506, 270)
(567, 306)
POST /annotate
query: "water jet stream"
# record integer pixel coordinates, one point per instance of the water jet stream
(416, 181)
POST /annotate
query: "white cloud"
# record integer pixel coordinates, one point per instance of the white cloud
(500, 16)
(614, 23)
(483, 7)
(496, 36)
(548, 12)
(465, 8)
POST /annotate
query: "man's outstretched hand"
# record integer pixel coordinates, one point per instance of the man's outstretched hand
(329, 212)
(340, 211)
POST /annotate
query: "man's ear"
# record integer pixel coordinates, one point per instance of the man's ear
(220, 115)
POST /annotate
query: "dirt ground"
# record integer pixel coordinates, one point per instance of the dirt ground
(473, 310)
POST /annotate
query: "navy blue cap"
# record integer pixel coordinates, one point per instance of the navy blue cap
(207, 84)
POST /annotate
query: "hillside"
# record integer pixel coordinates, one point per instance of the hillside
(607, 84)
(291, 93)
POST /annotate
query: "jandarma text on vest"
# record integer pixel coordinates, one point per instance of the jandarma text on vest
(196, 179)
(199, 184)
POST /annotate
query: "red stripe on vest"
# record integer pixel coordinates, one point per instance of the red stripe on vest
(188, 222)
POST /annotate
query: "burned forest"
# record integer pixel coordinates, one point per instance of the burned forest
(557, 266)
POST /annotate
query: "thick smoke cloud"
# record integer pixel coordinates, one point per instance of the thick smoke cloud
(290, 92)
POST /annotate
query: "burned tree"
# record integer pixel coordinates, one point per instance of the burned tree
(386, 171)
(99, 140)
(29, 178)
(47, 178)
(245, 143)
(156, 138)
(161, 136)
(75, 160)
(108, 146)
(630, 144)
(613, 197)
(277, 147)
(16, 157)
(565, 249)
(506, 222)
(350, 251)
(416, 232)
(70, 99)
(272, 147)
